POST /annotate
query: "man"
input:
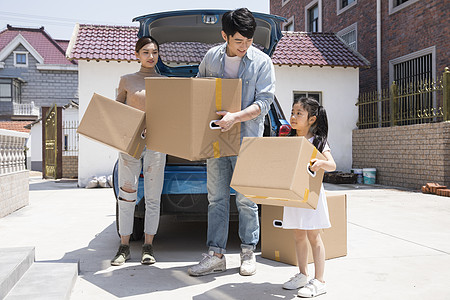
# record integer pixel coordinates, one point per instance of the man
(236, 58)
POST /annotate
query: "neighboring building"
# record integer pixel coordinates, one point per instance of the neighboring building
(413, 36)
(34, 72)
(318, 65)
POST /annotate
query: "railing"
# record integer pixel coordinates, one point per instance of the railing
(415, 103)
(25, 109)
(12, 155)
(70, 138)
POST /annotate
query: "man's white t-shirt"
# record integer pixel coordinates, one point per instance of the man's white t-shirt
(231, 66)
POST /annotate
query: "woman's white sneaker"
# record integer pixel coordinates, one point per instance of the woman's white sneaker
(296, 282)
(312, 289)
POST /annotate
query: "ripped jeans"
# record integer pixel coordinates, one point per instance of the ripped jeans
(153, 164)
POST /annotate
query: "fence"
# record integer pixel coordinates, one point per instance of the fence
(12, 155)
(70, 138)
(414, 103)
(14, 185)
(25, 109)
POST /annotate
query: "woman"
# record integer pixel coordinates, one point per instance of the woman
(132, 92)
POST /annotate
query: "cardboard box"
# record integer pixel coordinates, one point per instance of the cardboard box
(179, 113)
(114, 124)
(278, 244)
(274, 171)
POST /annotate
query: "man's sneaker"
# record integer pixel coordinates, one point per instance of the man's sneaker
(296, 282)
(122, 255)
(147, 255)
(209, 264)
(312, 289)
(248, 263)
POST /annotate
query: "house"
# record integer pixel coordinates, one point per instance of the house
(404, 40)
(316, 65)
(34, 73)
(404, 100)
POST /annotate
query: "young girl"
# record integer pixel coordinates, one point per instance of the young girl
(309, 119)
(132, 92)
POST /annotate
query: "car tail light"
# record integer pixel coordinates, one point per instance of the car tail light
(284, 130)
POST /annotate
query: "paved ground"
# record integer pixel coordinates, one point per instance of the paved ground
(398, 244)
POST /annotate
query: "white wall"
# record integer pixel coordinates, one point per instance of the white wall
(340, 89)
(95, 159)
(36, 146)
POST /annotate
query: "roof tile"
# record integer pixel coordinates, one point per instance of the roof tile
(101, 42)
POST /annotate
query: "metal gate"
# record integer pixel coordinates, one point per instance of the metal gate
(51, 139)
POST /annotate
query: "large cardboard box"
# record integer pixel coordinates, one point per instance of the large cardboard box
(275, 171)
(180, 112)
(114, 124)
(278, 243)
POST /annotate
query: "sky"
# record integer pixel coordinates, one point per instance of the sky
(59, 17)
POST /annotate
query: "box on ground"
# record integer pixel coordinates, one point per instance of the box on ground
(180, 111)
(278, 244)
(275, 171)
(114, 124)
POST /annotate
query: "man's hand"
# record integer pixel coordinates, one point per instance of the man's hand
(227, 121)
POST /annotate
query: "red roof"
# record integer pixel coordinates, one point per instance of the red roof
(15, 125)
(316, 49)
(63, 44)
(50, 50)
(100, 42)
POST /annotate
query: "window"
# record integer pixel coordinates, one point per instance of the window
(313, 16)
(314, 95)
(413, 67)
(20, 59)
(396, 5)
(411, 73)
(313, 19)
(349, 35)
(343, 5)
(283, 2)
(289, 25)
(10, 90)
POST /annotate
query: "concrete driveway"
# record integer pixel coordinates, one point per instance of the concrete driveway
(398, 248)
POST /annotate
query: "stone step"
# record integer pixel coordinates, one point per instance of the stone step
(46, 280)
(14, 263)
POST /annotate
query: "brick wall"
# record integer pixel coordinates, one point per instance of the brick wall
(418, 26)
(14, 192)
(70, 166)
(405, 156)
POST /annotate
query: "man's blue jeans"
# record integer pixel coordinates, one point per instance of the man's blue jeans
(219, 172)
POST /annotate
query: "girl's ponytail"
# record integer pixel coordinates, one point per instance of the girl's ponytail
(320, 129)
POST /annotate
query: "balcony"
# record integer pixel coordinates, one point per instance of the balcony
(25, 111)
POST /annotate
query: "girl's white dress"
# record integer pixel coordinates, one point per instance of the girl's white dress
(306, 218)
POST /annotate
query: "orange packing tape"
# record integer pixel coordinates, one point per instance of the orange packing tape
(277, 255)
(216, 149)
(218, 94)
(306, 195)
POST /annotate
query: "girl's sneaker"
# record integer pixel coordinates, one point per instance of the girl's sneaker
(312, 289)
(296, 282)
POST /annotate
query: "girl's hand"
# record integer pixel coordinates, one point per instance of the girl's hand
(328, 164)
(316, 164)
